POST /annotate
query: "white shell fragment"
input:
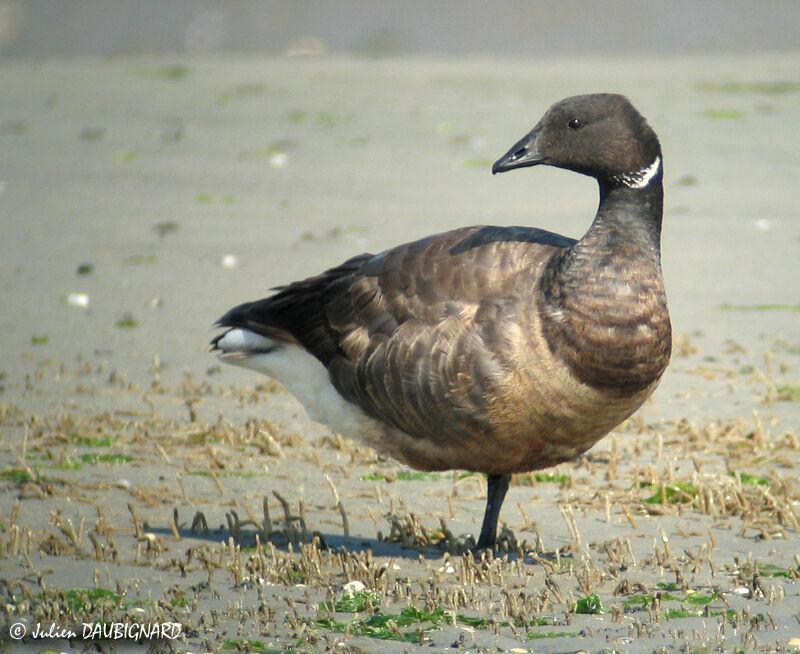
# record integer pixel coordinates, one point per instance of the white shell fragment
(78, 300)
(228, 261)
(279, 160)
(354, 587)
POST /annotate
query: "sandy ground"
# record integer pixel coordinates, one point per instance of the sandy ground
(141, 198)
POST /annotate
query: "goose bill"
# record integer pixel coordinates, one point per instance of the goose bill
(523, 153)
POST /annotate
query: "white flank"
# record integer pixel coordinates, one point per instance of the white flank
(305, 377)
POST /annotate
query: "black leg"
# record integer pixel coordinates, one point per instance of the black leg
(498, 485)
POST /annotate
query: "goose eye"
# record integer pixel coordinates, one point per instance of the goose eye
(575, 123)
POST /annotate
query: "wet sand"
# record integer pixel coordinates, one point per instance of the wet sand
(142, 197)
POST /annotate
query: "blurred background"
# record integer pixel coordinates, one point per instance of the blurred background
(66, 28)
(178, 153)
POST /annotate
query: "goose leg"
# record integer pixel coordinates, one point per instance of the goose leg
(498, 485)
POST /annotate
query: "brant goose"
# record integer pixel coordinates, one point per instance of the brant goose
(490, 349)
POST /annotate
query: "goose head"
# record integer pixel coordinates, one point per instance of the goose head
(601, 135)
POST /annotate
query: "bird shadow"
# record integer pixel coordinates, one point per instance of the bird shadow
(280, 540)
(249, 538)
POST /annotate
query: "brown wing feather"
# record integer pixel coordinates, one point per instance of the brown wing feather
(419, 331)
(416, 328)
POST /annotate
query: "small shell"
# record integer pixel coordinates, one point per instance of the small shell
(354, 587)
(228, 261)
(279, 160)
(78, 300)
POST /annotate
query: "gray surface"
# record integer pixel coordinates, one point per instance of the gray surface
(378, 152)
(540, 28)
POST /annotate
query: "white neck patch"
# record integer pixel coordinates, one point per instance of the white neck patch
(640, 178)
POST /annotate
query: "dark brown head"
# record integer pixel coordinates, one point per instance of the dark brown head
(600, 135)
